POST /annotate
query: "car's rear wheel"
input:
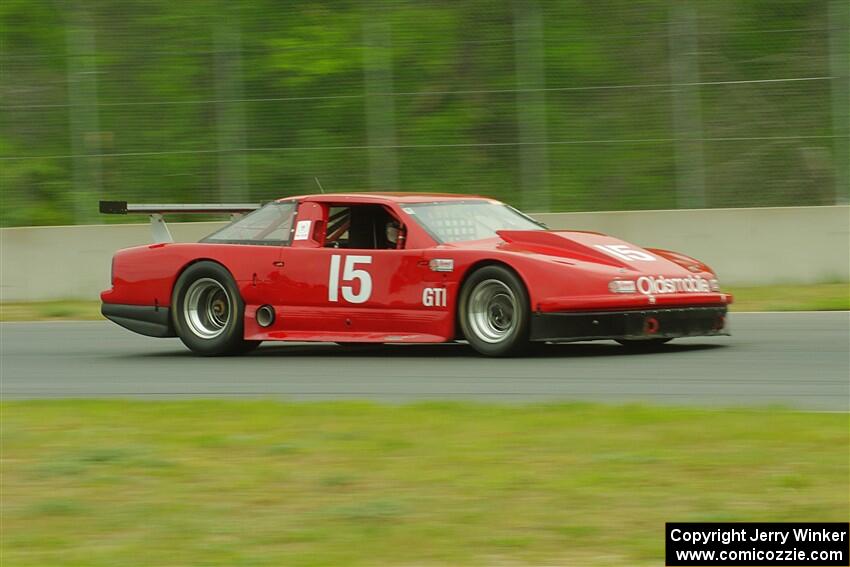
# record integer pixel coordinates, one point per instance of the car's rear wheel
(208, 311)
(494, 312)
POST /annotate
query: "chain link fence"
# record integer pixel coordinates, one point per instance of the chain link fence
(548, 105)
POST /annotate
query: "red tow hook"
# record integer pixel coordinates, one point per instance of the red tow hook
(651, 326)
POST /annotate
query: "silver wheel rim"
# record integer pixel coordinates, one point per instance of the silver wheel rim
(492, 311)
(207, 308)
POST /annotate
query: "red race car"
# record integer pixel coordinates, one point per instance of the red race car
(403, 268)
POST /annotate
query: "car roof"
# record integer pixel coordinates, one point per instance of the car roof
(395, 197)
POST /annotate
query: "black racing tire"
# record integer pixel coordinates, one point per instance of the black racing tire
(208, 311)
(643, 344)
(494, 312)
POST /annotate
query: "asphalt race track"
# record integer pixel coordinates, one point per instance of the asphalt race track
(799, 360)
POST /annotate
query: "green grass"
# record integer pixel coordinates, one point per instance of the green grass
(69, 310)
(815, 297)
(819, 297)
(97, 483)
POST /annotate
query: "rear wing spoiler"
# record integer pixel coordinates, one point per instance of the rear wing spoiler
(158, 227)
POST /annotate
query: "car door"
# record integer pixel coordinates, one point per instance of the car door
(343, 288)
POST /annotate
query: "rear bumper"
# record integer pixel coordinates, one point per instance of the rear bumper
(150, 320)
(662, 323)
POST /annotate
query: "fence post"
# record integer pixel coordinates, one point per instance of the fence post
(229, 109)
(839, 51)
(380, 106)
(83, 123)
(531, 106)
(687, 112)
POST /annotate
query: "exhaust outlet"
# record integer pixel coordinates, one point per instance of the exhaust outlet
(265, 315)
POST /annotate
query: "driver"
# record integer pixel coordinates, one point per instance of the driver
(392, 233)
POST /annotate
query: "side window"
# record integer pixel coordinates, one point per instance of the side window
(270, 224)
(339, 220)
(363, 227)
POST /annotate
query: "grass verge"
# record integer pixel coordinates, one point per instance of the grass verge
(51, 311)
(816, 297)
(265, 483)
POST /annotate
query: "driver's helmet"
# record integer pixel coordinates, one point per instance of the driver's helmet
(392, 232)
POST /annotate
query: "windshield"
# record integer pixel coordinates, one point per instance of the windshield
(270, 224)
(469, 220)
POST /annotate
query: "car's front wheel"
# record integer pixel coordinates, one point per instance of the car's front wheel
(494, 312)
(208, 311)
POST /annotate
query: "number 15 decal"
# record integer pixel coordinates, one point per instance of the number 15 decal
(349, 274)
(623, 252)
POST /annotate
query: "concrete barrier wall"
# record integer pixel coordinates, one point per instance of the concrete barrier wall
(745, 246)
(72, 262)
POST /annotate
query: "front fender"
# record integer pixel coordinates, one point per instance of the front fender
(690, 264)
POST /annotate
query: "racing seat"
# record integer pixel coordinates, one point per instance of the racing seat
(361, 231)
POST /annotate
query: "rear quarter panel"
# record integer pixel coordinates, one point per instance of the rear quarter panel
(145, 275)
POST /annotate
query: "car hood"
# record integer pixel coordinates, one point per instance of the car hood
(598, 248)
